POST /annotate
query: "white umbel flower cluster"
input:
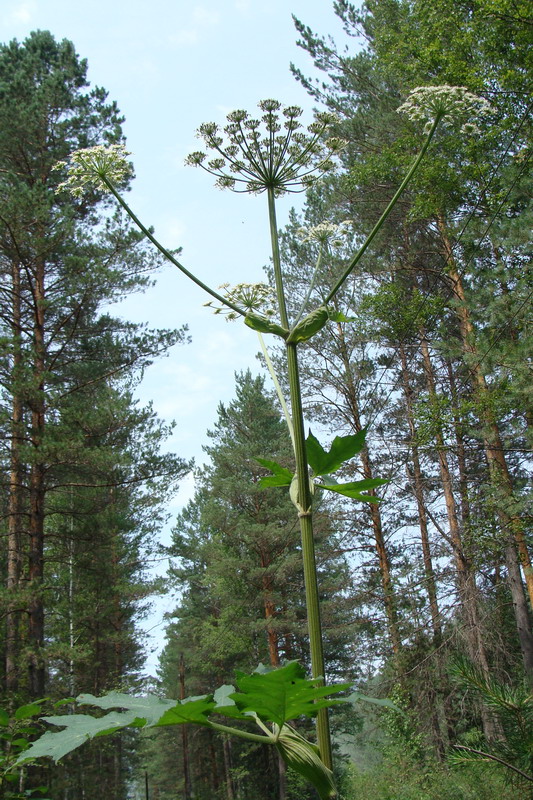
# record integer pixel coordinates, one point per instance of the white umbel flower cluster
(273, 152)
(326, 233)
(451, 104)
(249, 296)
(88, 167)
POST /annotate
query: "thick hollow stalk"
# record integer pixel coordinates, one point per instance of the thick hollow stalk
(304, 495)
(252, 737)
(308, 549)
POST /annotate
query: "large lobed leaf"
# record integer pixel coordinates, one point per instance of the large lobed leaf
(357, 489)
(281, 477)
(283, 694)
(149, 711)
(342, 448)
(78, 728)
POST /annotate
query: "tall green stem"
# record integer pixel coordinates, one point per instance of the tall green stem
(304, 497)
(308, 549)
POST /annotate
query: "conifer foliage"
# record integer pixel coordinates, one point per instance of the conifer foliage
(238, 567)
(80, 463)
(423, 344)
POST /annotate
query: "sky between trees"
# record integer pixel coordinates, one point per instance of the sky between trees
(170, 66)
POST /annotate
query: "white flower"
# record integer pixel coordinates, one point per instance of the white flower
(273, 152)
(325, 233)
(447, 103)
(89, 166)
(249, 296)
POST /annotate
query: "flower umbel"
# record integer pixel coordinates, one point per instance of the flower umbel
(326, 233)
(447, 103)
(88, 167)
(273, 152)
(249, 296)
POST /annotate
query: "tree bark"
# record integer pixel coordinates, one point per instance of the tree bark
(270, 613)
(15, 496)
(226, 748)
(418, 491)
(439, 719)
(514, 541)
(466, 582)
(352, 401)
(37, 492)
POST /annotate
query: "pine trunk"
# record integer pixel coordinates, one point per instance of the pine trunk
(374, 512)
(466, 582)
(516, 550)
(439, 720)
(418, 491)
(15, 498)
(37, 494)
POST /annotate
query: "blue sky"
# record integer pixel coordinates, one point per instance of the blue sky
(171, 66)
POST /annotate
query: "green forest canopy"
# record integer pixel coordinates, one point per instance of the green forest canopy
(435, 362)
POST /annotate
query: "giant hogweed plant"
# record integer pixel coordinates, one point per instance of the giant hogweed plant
(272, 154)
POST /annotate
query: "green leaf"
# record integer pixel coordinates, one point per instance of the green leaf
(149, 708)
(78, 728)
(30, 710)
(283, 694)
(281, 477)
(303, 757)
(4, 718)
(20, 742)
(308, 326)
(28, 731)
(147, 711)
(338, 316)
(153, 711)
(192, 709)
(355, 488)
(65, 702)
(225, 705)
(355, 697)
(343, 448)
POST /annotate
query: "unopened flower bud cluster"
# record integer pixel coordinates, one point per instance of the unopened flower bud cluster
(249, 296)
(87, 168)
(447, 103)
(271, 152)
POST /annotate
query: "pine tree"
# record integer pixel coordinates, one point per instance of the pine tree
(83, 479)
(436, 245)
(61, 262)
(240, 574)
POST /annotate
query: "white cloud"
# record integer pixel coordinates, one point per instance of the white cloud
(22, 13)
(201, 16)
(185, 36)
(200, 20)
